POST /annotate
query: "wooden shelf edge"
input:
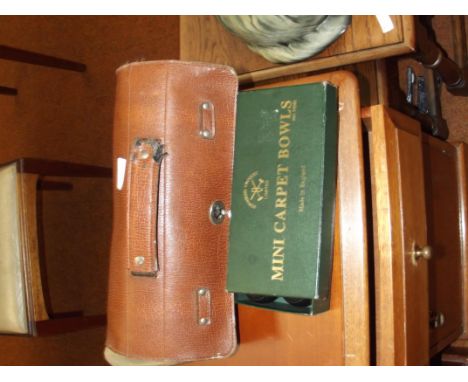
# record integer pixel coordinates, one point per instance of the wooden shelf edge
(325, 63)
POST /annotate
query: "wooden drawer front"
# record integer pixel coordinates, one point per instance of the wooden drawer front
(402, 327)
(443, 225)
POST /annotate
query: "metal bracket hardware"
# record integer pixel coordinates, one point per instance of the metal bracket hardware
(204, 306)
(207, 127)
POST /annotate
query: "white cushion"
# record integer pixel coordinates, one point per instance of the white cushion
(13, 305)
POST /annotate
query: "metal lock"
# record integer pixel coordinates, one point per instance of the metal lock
(217, 212)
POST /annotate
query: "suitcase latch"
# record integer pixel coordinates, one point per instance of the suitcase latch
(207, 127)
(204, 306)
(218, 212)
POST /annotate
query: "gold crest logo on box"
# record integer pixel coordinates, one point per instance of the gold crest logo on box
(255, 190)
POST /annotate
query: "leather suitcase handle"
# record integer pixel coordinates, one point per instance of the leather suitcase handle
(144, 171)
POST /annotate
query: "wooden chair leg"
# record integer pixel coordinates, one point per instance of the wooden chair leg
(8, 91)
(432, 56)
(58, 168)
(20, 55)
(432, 123)
(69, 324)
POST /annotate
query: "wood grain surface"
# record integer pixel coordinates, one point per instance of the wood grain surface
(401, 288)
(462, 171)
(203, 38)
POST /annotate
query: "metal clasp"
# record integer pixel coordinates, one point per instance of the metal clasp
(218, 212)
(204, 306)
(207, 127)
(146, 147)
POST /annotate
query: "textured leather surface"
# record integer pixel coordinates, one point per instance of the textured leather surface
(157, 319)
(13, 307)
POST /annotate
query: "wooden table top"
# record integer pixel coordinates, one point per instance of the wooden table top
(203, 38)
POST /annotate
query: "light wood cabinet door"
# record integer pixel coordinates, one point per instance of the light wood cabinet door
(400, 235)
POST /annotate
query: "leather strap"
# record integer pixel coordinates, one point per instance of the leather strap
(145, 161)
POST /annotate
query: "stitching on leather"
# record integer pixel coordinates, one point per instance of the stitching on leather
(230, 297)
(163, 204)
(224, 234)
(199, 64)
(129, 179)
(229, 200)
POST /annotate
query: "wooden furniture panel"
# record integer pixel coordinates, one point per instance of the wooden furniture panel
(339, 336)
(454, 356)
(462, 171)
(28, 57)
(398, 202)
(203, 38)
(443, 226)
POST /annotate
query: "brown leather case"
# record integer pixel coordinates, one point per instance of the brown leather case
(173, 150)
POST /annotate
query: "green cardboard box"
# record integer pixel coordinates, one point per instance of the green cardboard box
(283, 198)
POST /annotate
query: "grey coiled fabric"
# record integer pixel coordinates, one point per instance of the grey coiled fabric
(286, 39)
